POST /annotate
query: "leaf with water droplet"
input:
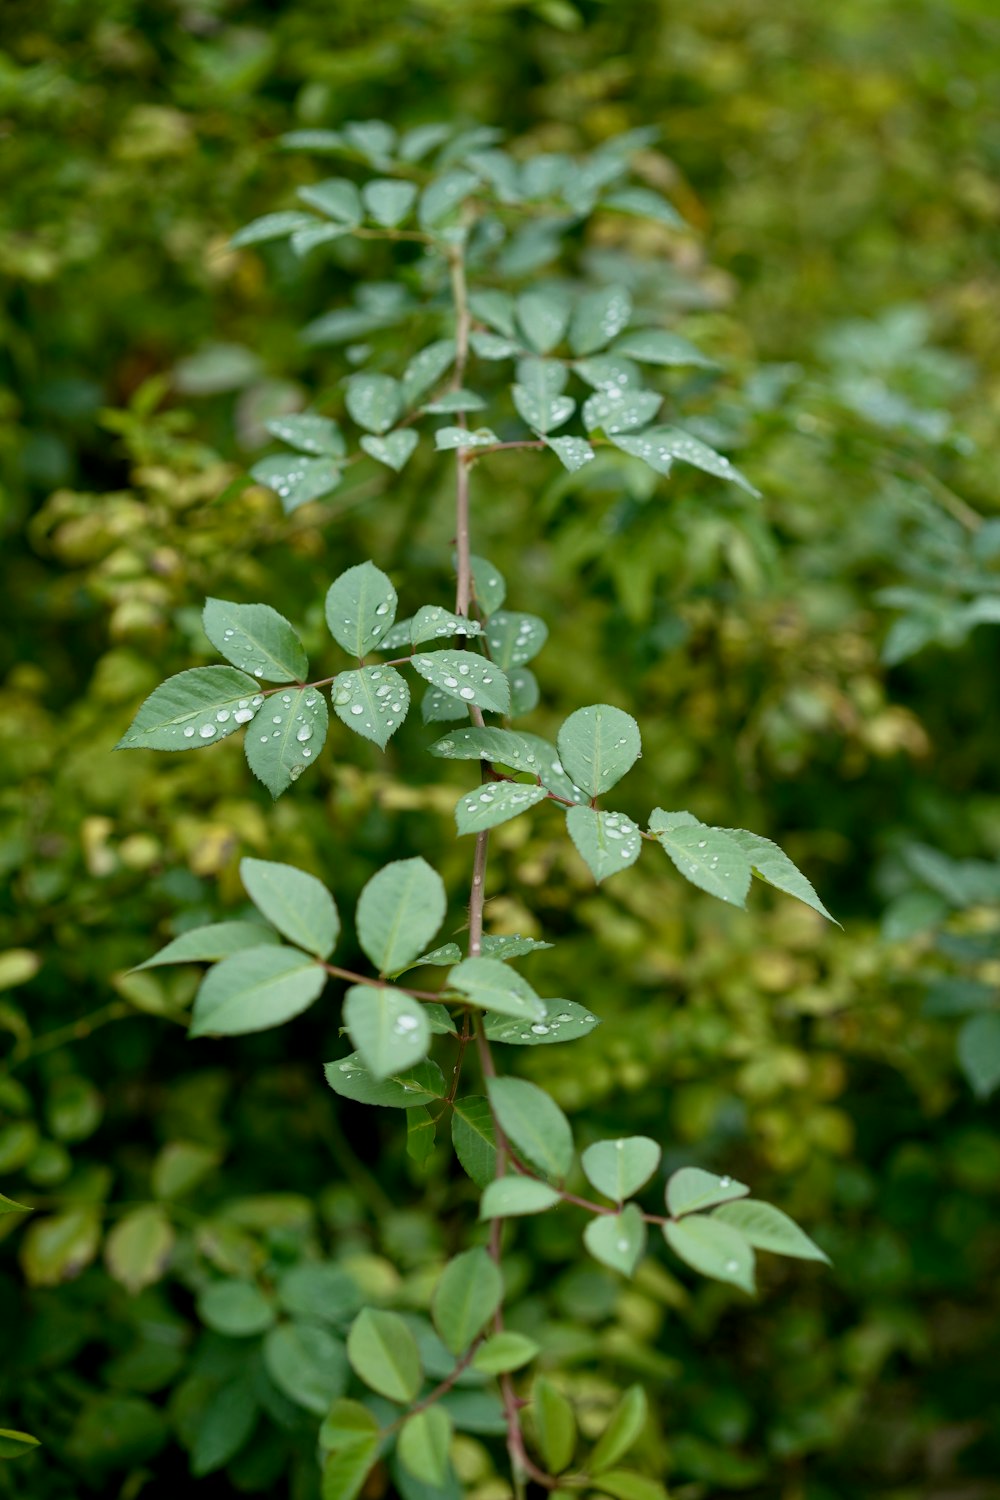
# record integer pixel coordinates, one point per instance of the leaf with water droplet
(489, 584)
(509, 1197)
(707, 857)
(193, 709)
(419, 1084)
(432, 622)
(255, 638)
(442, 199)
(619, 1168)
(610, 372)
(524, 693)
(491, 985)
(607, 841)
(515, 638)
(563, 1021)
(495, 802)
(597, 745)
(645, 204)
(388, 1028)
(394, 450)
(270, 227)
(337, 198)
(373, 701)
(598, 316)
(618, 1240)
(691, 1189)
(467, 677)
(491, 346)
(296, 479)
(447, 439)
(572, 452)
(279, 753)
(767, 1228)
(772, 865)
(374, 401)
(713, 1248)
(615, 410)
(310, 433)
(654, 346)
(360, 608)
(438, 707)
(454, 401)
(426, 368)
(388, 201)
(543, 315)
(661, 446)
(495, 308)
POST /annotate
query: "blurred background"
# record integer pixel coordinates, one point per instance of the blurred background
(821, 667)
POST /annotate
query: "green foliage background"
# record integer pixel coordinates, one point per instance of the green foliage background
(841, 165)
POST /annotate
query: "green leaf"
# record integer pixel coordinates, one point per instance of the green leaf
(507, 1197)
(455, 401)
(772, 865)
(345, 1422)
(467, 1294)
(492, 346)
(495, 309)
(348, 1466)
(319, 436)
(424, 1444)
(307, 1363)
(192, 710)
(438, 707)
(597, 746)
(15, 1444)
(713, 1248)
(622, 1484)
(540, 410)
(285, 742)
(225, 1424)
(432, 622)
(399, 911)
(488, 583)
(139, 1246)
(207, 944)
(372, 701)
(336, 197)
(533, 1122)
(495, 802)
(421, 1136)
(313, 140)
(467, 677)
(394, 450)
(979, 1053)
(619, 1168)
(767, 1228)
(609, 372)
(645, 204)
(388, 201)
(615, 409)
(543, 316)
(564, 1021)
(180, 1167)
(270, 227)
(506, 747)
(419, 1084)
(669, 443)
(295, 479)
(607, 841)
(473, 1138)
(374, 139)
(297, 904)
(524, 693)
(58, 1247)
(448, 438)
(503, 1352)
(426, 368)
(492, 985)
(388, 1028)
(598, 317)
(374, 401)
(617, 1240)
(360, 608)
(653, 346)
(318, 1291)
(253, 990)
(383, 1353)
(572, 452)
(443, 196)
(706, 857)
(255, 638)
(692, 1189)
(305, 240)
(8, 1206)
(555, 1425)
(515, 638)
(623, 1430)
(236, 1308)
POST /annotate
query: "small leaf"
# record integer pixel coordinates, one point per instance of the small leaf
(572, 452)
(467, 677)
(281, 745)
(607, 841)
(181, 1166)
(490, 984)
(307, 1364)
(58, 1247)
(713, 1248)
(447, 439)
(494, 308)
(467, 1294)
(424, 1443)
(138, 1248)
(670, 443)
(707, 857)
(555, 1425)
(318, 1291)
(455, 401)
(438, 707)
(225, 1425)
(374, 139)
(616, 410)
(767, 1228)
(394, 450)
(388, 201)
(348, 1466)
(533, 1122)
(617, 1240)
(619, 1168)
(360, 608)
(418, 1085)
(565, 1021)
(623, 1430)
(543, 316)
(207, 944)
(645, 204)
(692, 1189)
(312, 140)
(399, 911)
(432, 622)
(15, 1444)
(297, 904)
(597, 745)
(253, 990)
(426, 368)
(515, 638)
(488, 583)
(192, 710)
(310, 433)
(373, 701)
(315, 234)
(8, 1206)
(383, 1353)
(524, 693)
(344, 1422)
(653, 346)
(771, 864)
(443, 197)
(507, 1197)
(979, 1053)
(296, 479)
(598, 317)
(374, 401)
(388, 1028)
(255, 638)
(609, 372)
(492, 346)
(543, 416)
(622, 1484)
(236, 1308)
(473, 1138)
(503, 1352)
(336, 197)
(270, 227)
(495, 802)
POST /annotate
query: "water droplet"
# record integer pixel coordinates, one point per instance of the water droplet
(206, 731)
(467, 692)
(540, 1030)
(257, 701)
(622, 1246)
(725, 1182)
(189, 733)
(307, 752)
(731, 1266)
(357, 708)
(382, 609)
(404, 1025)
(222, 715)
(276, 719)
(451, 682)
(305, 733)
(228, 633)
(258, 671)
